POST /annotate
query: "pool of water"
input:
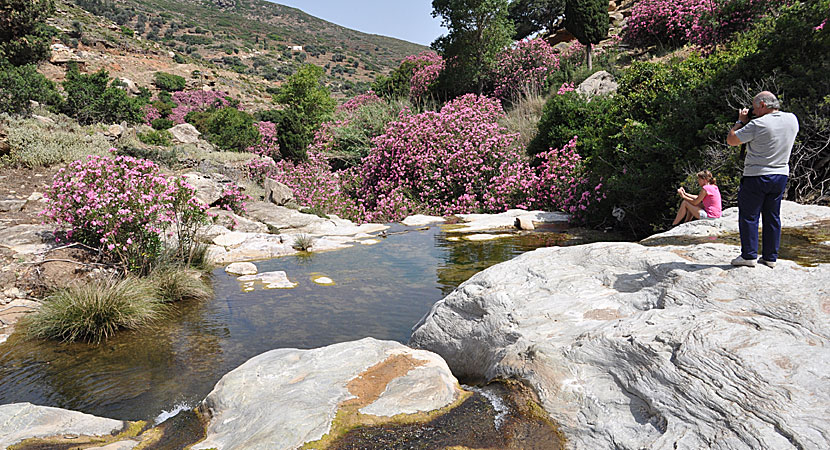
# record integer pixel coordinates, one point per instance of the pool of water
(379, 290)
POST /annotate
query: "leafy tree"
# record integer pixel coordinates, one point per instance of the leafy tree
(91, 98)
(231, 129)
(307, 105)
(531, 16)
(23, 33)
(588, 21)
(20, 85)
(396, 85)
(478, 31)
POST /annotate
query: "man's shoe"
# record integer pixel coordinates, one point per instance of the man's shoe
(770, 264)
(740, 261)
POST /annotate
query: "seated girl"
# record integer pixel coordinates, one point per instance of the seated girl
(706, 205)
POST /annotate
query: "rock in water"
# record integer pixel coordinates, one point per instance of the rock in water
(241, 268)
(19, 421)
(287, 397)
(635, 347)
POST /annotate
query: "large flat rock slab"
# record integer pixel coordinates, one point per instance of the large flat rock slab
(636, 347)
(20, 421)
(287, 397)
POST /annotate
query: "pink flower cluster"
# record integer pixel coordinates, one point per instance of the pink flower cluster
(524, 68)
(820, 26)
(699, 22)
(428, 65)
(566, 87)
(151, 113)
(233, 198)
(359, 101)
(121, 205)
(187, 101)
(268, 144)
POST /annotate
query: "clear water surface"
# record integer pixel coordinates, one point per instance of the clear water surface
(379, 290)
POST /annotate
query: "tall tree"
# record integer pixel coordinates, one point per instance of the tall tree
(23, 37)
(307, 105)
(532, 16)
(588, 21)
(478, 31)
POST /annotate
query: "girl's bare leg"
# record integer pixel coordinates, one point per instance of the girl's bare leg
(692, 211)
(681, 214)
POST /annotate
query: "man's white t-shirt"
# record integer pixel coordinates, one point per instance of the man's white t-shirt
(769, 140)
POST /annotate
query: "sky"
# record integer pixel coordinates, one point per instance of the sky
(410, 20)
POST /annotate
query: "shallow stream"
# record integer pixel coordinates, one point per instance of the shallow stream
(378, 290)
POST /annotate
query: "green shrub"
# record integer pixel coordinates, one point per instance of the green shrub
(166, 156)
(169, 82)
(24, 36)
(174, 284)
(21, 85)
(161, 138)
(162, 124)
(307, 105)
(230, 129)
(95, 311)
(90, 99)
(35, 144)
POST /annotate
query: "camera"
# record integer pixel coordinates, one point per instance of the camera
(751, 113)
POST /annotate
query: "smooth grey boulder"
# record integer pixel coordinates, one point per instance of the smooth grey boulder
(287, 397)
(600, 83)
(12, 205)
(235, 222)
(208, 187)
(483, 222)
(20, 421)
(633, 347)
(185, 133)
(28, 238)
(278, 193)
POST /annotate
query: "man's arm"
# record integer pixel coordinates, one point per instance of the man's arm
(743, 119)
(732, 138)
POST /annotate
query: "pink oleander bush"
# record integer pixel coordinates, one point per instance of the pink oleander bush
(428, 65)
(699, 22)
(187, 101)
(359, 101)
(268, 144)
(524, 68)
(456, 160)
(123, 206)
(233, 198)
(151, 113)
(565, 88)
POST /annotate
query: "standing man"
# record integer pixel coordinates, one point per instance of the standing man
(769, 137)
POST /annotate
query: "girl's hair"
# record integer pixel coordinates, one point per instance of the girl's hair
(706, 176)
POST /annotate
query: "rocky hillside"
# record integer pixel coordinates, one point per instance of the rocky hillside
(249, 46)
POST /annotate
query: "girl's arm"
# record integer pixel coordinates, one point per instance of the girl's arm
(697, 200)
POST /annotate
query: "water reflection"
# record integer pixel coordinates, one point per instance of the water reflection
(379, 290)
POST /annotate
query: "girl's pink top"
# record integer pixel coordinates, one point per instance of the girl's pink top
(711, 203)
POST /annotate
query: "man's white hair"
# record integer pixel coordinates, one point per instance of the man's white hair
(769, 99)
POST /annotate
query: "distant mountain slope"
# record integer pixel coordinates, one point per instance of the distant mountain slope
(255, 37)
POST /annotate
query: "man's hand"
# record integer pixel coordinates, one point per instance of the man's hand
(743, 115)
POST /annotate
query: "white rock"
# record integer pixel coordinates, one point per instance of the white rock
(486, 237)
(271, 280)
(600, 83)
(634, 347)
(20, 421)
(524, 223)
(369, 242)
(28, 239)
(185, 133)
(241, 268)
(483, 222)
(323, 280)
(277, 193)
(232, 239)
(208, 190)
(286, 397)
(419, 220)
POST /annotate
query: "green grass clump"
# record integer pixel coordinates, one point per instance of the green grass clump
(302, 242)
(175, 284)
(95, 311)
